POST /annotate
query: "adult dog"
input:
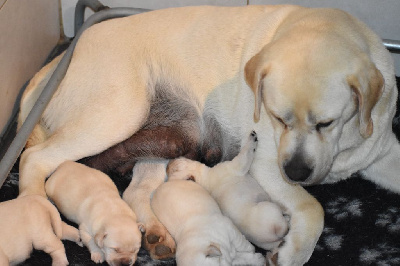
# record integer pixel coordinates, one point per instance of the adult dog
(192, 81)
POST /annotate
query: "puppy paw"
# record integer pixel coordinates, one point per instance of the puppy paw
(253, 141)
(61, 261)
(158, 242)
(97, 257)
(291, 254)
(71, 233)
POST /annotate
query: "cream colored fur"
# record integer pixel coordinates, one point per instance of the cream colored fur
(203, 235)
(32, 222)
(282, 71)
(238, 195)
(106, 223)
(146, 177)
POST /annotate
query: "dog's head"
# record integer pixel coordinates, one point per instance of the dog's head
(313, 84)
(120, 240)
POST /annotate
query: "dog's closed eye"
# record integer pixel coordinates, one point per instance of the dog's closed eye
(321, 125)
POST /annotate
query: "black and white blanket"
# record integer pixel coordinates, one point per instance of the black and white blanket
(362, 224)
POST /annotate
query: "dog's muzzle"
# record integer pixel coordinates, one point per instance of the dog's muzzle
(296, 169)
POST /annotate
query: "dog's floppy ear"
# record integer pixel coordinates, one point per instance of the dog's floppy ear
(99, 238)
(368, 88)
(213, 251)
(254, 72)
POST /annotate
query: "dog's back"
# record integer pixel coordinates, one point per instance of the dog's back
(78, 191)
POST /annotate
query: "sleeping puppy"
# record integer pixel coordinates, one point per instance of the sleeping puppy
(316, 84)
(203, 235)
(106, 223)
(33, 222)
(238, 195)
(147, 175)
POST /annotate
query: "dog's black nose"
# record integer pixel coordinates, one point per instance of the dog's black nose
(126, 263)
(296, 169)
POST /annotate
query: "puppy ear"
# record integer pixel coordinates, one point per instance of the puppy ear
(99, 238)
(213, 251)
(254, 72)
(368, 88)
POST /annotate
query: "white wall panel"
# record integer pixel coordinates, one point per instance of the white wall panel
(29, 30)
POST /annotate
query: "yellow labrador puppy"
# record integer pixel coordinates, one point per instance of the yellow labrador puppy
(147, 175)
(238, 195)
(316, 84)
(106, 223)
(33, 222)
(203, 235)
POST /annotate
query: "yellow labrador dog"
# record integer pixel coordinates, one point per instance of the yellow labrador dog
(89, 198)
(203, 235)
(316, 84)
(238, 195)
(33, 222)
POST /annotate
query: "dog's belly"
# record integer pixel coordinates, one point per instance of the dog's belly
(173, 128)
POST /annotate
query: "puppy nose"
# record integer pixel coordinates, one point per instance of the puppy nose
(126, 262)
(296, 169)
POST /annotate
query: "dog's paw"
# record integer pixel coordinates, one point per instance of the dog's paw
(60, 259)
(291, 254)
(253, 140)
(97, 257)
(158, 242)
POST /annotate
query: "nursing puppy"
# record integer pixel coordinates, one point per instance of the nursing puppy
(317, 85)
(238, 195)
(147, 175)
(203, 235)
(32, 222)
(106, 223)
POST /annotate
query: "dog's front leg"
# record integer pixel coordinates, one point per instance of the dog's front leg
(306, 214)
(96, 254)
(386, 170)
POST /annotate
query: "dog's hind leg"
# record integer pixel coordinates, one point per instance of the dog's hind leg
(94, 134)
(147, 176)
(242, 162)
(239, 165)
(172, 129)
(53, 246)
